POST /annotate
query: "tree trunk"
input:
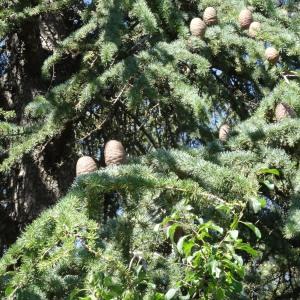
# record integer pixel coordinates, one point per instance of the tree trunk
(46, 174)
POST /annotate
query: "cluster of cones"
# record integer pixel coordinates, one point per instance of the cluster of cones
(246, 22)
(210, 17)
(114, 154)
(282, 111)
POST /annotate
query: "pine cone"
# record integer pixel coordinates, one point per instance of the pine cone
(197, 27)
(85, 165)
(114, 153)
(272, 55)
(210, 16)
(283, 111)
(245, 18)
(254, 28)
(224, 132)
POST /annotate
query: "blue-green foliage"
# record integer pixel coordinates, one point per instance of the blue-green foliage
(170, 233)
(217, 222)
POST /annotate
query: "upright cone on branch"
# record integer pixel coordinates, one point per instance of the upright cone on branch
(114, 153)
(85, 165)
(254, 28)
(283, 111)
(210, 16)
(272, 55)
(245, 18)
(197, 27)
(197, 116)
(224, 132)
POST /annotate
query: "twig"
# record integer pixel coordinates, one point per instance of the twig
(142, 124)
(52, 79)
(214, 197)
(205, 194)
(120, 94)
(289, 74)
(99, 126)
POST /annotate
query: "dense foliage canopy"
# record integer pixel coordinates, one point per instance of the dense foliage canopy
(207, 204)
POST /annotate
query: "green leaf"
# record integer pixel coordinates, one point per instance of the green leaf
(255, 204)
(238, 259)
(269, 185)
(263, 202)
(171, 231)
(188, 247)
(246, 247)
(217, 228)
(235, 222)
(184, 246)
(156, 228)
(253, 228)
(220, 294)
(214, 268)
(234, 267)
(171, 293)
(159, 296)
(234, 234)
(268, 171)
(180, 244)
(224, 208)
(9, 291)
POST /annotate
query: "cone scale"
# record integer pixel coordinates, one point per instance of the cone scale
(197, 27)
(245, 18)
(224, 132)
(210, 16)
(114, 153)
(85, 165)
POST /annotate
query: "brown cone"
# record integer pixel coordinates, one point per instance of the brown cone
(283, 111)
(210, 16)
(272, 55)
(254, 28)
(197, 27)
(114, 153)
(245, 18)
(224, 133)
(85, 165)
